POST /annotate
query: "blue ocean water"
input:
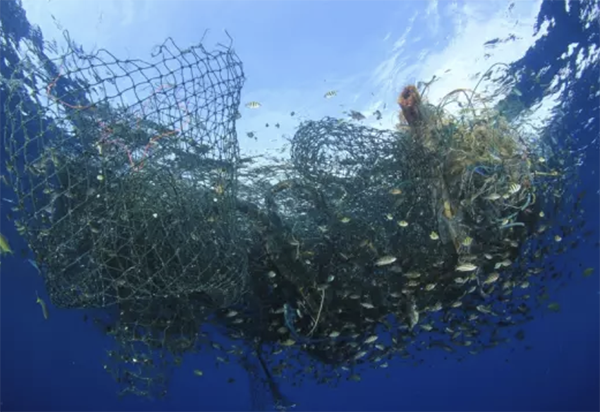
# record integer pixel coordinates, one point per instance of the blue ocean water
(57, 364)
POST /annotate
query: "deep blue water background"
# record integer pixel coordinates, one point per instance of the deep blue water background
(57, 364)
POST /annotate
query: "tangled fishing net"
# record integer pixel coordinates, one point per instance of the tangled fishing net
(367, 244)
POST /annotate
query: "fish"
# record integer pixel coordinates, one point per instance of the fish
(483, 309)
(371, 339)
(4, 246)
(403, 223)
(386, 260)
(505, 262)
(198, 372)
(42, 305)
(493, 196)
(330, 94)
(588, 272)
(492, 278)
(514, 188)
(466, 267)
(356, 115)
(412, 275)
(395, 191)
(554, 307)
(34, 264)
(413, 316)
(434, 236)
(367, 305)
(360, 354)
(253, 105)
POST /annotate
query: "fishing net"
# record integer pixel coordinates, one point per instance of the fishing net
(131, 201)
(126, 192)
(407, 222)
(131, 192)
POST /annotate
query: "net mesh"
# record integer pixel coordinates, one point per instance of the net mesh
(126, 195)
(131, 193)
(132, 201)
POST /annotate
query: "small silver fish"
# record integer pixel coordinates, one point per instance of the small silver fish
(466, 267)
(371, 339)
(413, 316)
(367, 305)
(360, 354)
(386, 260)
(34, 264)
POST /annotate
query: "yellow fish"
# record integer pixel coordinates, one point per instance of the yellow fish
(4, 246)
(42, 304)
(330, 94)
(253, 105)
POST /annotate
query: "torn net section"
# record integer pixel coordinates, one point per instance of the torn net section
(125, 177)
